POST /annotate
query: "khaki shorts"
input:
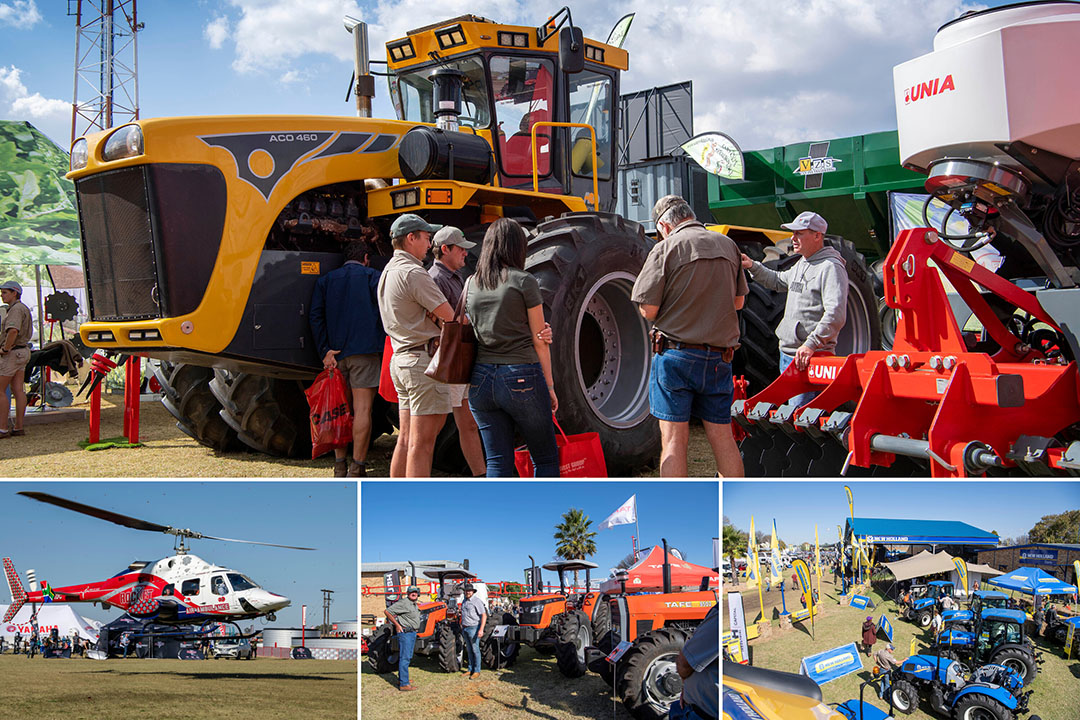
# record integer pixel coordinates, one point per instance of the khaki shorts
(418, 393)
(459, 395)
(14, 361)
(361, 371)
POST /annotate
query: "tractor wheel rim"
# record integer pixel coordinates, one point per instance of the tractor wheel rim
(653, 682)
(612, 353)
(1016, 666)
(978, 713)
(900, 700)
(854, 337)
(582, 641)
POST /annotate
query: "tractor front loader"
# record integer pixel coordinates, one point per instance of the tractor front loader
(982, 375)
(203, 237)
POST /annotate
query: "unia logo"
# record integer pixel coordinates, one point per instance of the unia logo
(929, 89)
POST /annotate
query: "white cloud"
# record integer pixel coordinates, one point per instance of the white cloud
(52, 117)
(216, 32)
(19, 14)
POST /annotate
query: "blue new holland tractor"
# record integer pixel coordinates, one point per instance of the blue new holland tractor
(921, 610)
(980, 599)
(992, 692)
(998, 639)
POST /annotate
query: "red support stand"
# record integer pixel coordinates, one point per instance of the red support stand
(101, 364)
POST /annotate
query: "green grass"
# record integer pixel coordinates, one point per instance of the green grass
(1054, 687)
(81, 689)
(532, 687)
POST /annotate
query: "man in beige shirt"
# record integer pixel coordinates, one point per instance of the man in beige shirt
(410, 303)
(14, 354)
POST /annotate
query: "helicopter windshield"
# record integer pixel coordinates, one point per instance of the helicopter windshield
(241, 582)
(411, 94)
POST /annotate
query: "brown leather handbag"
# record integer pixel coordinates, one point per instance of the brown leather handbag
(455, 352)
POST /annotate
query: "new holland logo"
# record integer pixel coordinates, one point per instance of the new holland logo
(834, 663)
(814, 166)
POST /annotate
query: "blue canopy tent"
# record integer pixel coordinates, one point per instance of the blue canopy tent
(1032, 581)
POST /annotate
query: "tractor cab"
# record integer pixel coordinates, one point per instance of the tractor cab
(516, 87)
(451, 583)
(980, 600)
(575, 599)
(999, 627)
(998, 638)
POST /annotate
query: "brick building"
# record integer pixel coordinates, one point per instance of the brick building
(1054, 558)
(373, 574)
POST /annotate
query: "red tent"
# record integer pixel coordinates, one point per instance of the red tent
(648, 574)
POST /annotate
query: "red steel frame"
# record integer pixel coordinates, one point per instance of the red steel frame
(930, 386)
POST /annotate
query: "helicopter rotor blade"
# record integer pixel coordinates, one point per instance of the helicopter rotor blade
(112, 517)
(249, 542)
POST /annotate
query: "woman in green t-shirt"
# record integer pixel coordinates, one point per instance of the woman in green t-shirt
(512, 388)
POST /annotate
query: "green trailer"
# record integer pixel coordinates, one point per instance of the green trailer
(845, 180)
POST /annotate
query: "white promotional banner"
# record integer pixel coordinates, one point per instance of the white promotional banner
(626, 514)
(62, 617)
(737, 621)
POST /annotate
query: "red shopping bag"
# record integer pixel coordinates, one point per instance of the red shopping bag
(386, 383)
(331, 417)
(580, 456)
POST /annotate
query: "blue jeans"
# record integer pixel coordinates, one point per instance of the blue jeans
(803, 398)
(472, 643)
(505, 398)
(406, 643)
(678, 711)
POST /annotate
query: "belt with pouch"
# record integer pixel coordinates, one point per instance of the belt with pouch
(661, 342)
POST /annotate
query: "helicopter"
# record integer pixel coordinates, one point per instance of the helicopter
(182, 589)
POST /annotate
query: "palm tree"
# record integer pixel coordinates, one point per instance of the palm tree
(574, 539)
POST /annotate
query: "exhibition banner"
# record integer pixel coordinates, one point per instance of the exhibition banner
(737, 621)
(831, 664)
(861, 601)
(883, 625)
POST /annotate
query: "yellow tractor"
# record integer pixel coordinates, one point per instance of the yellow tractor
(203, 237)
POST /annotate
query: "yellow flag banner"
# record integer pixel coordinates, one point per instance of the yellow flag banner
(774, 573)
(802, 572)
(912, 647)
(850, 501)
(961, 570)
(752, 571)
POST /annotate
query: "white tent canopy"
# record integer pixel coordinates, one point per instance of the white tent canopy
(62, 617)
(925, 563)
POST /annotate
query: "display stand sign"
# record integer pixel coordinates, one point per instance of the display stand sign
(500, 631)
(737, 621)
(831, 664)
(619, 651)
(883, 625)
(861, 601)
(800, 615)
(1070, 638)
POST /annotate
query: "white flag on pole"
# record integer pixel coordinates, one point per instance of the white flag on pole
(626, 514)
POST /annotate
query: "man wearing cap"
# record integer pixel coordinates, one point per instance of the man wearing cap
(885, 658)
(410, 303)
(450, 250)
(404, 615)
(473, 618)
(817, 289)
(348, 334)
(14, 354)
(690, 288)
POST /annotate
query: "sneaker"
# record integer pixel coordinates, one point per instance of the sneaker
(407, 688)
(357, 469)
(341, 468)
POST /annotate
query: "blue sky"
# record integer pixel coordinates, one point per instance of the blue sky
(497, 525)
(767, 73)
(1010, 508)
(66, 547)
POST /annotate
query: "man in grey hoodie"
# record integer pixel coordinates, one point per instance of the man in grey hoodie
(817, 288)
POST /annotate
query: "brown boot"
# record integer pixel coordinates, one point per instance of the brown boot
(407, 688)
(341, 468)
(357, 469)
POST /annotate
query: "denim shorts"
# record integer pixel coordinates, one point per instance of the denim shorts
(685, 383)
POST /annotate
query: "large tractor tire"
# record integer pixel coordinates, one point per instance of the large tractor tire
(601, 619)
(586, 264)
(380, 655)
(758, 356)
(450, 650)
(904, 698)
(925, 618)
(1020, 662)
(649, 683)
(573, 634)
(979, 706)
(494, 653)
(268, 414)
(186, 395)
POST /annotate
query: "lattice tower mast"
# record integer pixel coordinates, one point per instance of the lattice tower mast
(106, 64)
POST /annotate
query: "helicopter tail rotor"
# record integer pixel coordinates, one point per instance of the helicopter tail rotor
(18, 594)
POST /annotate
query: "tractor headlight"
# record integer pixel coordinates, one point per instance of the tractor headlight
(124, 143)
(80, 153)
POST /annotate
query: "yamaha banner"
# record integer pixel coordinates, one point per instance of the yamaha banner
(831, 664)
(883, 625)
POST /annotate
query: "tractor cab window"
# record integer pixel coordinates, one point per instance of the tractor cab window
(524, 95)
(189, 587)
(411, 93)
(241, 582)
(217, 584)
(590, 103)
(998, 632)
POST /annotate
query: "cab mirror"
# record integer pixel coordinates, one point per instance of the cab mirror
(571, 50)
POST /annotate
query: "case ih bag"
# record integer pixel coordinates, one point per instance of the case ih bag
(331, 416)
(580, 456)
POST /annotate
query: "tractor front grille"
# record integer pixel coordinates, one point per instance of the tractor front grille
(118, 245)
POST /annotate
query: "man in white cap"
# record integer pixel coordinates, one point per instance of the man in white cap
(409, 303)
(817, 288)
(14, 354)
(450, 250)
